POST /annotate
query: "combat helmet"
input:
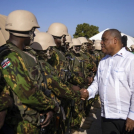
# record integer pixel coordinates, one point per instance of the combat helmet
(75, 42)
(21, 23)
(68, 39)
(132, 47)
(84, 42)
(58, 30)
(43, 41)
(97, 44)
(90, 42)
(4, 35)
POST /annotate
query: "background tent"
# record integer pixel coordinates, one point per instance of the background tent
(4, 35)
(130, 40)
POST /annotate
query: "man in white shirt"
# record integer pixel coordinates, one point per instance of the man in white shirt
(114, 82)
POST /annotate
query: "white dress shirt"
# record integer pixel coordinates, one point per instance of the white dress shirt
(114, 82)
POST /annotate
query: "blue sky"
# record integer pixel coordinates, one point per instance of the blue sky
(117, 14)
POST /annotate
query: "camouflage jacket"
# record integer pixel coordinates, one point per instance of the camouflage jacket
(5, 99)
(5, 102)
(92, 59)
(98, 55)
(60, 89)
(95, 57)
(17, 81)
(81, 65)
(60, 61)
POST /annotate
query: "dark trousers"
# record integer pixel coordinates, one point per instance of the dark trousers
(114, 126)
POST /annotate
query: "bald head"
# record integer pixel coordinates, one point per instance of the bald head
(111, 41)
(115, 33)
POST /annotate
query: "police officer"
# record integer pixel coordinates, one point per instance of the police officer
(86, 51)
(68, 41)
(22, 76)
(98, 53)
(42, 44)
(59, 61)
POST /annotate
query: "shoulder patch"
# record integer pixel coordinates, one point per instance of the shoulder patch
(5, 63)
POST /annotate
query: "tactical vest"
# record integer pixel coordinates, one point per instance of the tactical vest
(91, 62)
(53, 72)
(28, 114)
(77, 63)
(63, 66)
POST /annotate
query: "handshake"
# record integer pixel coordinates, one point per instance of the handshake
(84, 94)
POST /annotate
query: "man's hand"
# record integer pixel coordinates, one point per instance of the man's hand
(49, 116)
(129, 125)
(75, 88)
(84, 94)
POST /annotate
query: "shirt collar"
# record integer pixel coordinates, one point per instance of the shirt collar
(122, 52)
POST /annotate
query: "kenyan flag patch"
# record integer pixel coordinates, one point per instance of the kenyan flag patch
(5, 63)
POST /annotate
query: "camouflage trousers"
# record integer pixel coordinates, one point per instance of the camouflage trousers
(57, 125)
(25, 127)
(88, 104)
(78, 114)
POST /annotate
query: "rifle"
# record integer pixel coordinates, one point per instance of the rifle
(43, 129)
(70, 59)
(70, 119)
(48, 94)
(58, 119)
(97, 61)
(45, 90)
(82, 67)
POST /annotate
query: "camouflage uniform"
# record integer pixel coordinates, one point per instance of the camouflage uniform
(94, 58)
(98, 55)
(61, 90)
(54, 84)
(6, 103)
(82, 64)
(93, 62)
(62, 64)
(5, 100)
(22, 86)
